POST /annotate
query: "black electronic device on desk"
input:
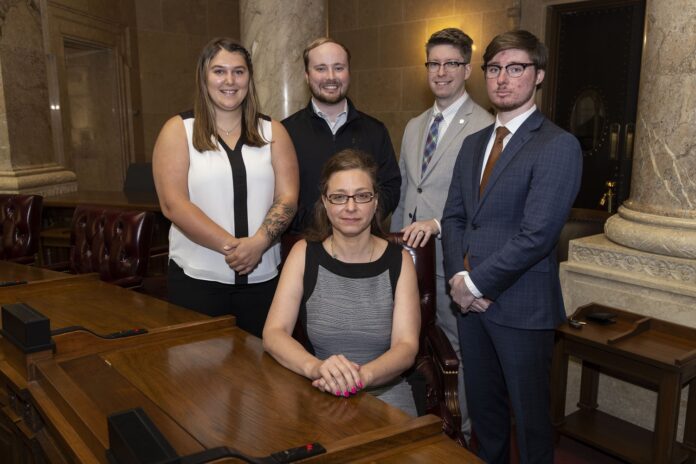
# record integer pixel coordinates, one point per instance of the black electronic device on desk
(135, 439)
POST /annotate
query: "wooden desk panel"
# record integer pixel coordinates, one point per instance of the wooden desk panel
(218, 387)
(13, 272)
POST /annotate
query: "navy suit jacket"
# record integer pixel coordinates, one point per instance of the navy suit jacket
(510, 233)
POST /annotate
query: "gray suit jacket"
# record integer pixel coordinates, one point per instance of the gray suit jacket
(426, 196)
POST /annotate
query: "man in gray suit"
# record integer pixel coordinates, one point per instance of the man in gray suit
(428, 152)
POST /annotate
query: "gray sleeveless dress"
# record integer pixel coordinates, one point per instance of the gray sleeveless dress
(347, 309)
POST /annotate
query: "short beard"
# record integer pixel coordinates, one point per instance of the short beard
(512, 106)
(328, 100)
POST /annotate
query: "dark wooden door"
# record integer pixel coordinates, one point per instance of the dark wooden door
(594, 71)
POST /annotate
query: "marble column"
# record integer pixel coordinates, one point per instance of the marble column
(276, 33)
(27, 163)
(646, 261)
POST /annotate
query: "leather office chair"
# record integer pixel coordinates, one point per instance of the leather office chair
(20, 220)
(115, 243)
(436, 360)
(580, 223)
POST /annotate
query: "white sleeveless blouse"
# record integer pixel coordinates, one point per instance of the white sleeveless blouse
(211, 183)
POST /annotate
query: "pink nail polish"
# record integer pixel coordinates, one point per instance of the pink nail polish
(360, 385)
(353, 390)
(346, 394)
(338, 393)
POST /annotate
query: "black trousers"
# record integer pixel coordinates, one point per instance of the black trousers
(249, 303)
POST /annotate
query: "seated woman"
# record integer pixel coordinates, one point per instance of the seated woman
(355, 293)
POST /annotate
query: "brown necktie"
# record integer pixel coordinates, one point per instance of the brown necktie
(500, 133)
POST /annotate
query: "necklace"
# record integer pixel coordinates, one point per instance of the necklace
(228, 132)
(334, 255)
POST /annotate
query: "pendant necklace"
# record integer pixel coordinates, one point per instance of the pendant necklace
(228, 132)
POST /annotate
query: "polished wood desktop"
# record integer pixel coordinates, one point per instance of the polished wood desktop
(14, 272)
(202, 381)
(98, 306)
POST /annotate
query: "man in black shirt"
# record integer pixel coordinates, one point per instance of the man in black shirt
(330, 123)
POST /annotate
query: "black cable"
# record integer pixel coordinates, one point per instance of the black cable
(111, 336)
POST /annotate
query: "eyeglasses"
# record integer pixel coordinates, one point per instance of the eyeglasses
(492, 71)
(450, 66)
(342, 198)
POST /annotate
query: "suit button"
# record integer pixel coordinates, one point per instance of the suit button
(474, 226)
(420, 190)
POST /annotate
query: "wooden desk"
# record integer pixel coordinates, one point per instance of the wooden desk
(21, 272)
(74, 300)
(139, 201)
(210, 385)
(647, 352)
(96, 305)
(202, 381)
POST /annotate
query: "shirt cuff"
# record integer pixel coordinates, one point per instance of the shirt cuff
(470, 284)
(439, 229)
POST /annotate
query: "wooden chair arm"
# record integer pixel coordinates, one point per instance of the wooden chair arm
(445, 373)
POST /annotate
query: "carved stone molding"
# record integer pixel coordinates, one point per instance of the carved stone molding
(44, 180)
(599, 251)
(653, 233)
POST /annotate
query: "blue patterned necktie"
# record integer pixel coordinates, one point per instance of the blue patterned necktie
(431, 142)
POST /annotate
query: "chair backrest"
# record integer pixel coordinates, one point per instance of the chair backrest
(115, 243)
(424, 260)
(20, 220)
(139, 178)
(580, 223)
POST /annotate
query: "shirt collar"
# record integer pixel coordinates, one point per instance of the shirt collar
(515, 123)
(450, 111)
(323, 115)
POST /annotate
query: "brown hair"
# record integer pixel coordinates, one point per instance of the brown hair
(204, 128)
(344, 160)
(321, 41)
(522, 40)
(451, 36)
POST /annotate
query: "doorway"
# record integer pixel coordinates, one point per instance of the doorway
(94, 125)
(594, 73)
(90, 86)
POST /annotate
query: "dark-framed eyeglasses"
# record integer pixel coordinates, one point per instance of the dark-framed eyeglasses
(491, 71)
(450, 66)
(342, 198)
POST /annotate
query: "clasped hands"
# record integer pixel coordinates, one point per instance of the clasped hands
(243, 254)
(466, 300)
(338, 376)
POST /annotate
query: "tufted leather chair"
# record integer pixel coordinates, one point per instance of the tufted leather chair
(115, 243)
(436, 360)
(20, 220)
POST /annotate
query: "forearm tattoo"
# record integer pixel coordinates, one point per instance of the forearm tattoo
(277, 219)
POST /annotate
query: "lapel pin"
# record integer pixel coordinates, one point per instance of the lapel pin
(461, 121)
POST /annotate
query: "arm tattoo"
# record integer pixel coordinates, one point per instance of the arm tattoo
(277, 219)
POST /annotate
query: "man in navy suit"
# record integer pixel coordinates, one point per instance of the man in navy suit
(512, 189)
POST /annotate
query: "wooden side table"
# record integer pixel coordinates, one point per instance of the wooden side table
(647, 352)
